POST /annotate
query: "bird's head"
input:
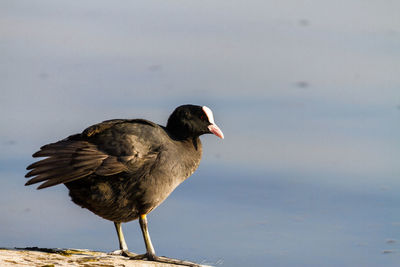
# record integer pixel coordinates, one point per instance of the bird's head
(192, 121)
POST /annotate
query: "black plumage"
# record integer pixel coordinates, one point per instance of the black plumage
(123, 169)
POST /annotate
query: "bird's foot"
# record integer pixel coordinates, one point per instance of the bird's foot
(125, 253)
(152, 257)
(147, 256)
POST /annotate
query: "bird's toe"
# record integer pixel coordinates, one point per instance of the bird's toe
(152, 257)
(125, 253)
(146, 256)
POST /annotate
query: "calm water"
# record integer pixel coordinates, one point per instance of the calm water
(308, 173)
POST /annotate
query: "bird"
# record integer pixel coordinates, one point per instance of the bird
(122, 169)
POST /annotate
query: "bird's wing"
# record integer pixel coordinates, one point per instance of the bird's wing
(69, 160)
(103, 149)
(105, 125)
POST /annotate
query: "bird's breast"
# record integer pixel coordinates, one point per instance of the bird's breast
(170, 170)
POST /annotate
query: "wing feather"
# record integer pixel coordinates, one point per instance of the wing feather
(64, 179)
(69, 160)
(53, 161)
(57, 173)
(110, 166)
(104, 149)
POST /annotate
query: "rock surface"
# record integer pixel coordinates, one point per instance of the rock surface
(69, 257)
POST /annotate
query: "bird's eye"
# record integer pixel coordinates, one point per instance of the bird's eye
(202, 117)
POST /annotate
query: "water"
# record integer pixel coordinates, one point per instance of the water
(307, 174)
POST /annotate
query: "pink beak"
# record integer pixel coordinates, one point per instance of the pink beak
(216, 130)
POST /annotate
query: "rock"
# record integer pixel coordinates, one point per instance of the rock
(45, 257)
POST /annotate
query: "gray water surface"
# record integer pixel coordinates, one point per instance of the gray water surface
(306, 92)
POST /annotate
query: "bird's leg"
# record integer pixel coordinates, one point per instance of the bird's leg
(151, 254)
(121, 239)
(123, 247)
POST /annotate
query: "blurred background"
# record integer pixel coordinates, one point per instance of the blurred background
(306, 92)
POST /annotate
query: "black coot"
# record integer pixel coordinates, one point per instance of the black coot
(123, 169)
